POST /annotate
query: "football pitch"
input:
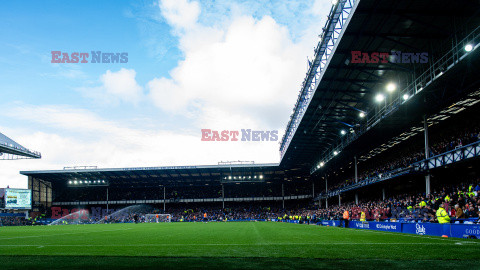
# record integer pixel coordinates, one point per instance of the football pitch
(237, 245)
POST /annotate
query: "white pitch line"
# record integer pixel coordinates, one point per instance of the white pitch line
(36, 236)
(233, 244)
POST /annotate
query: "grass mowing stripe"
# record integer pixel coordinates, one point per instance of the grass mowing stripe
(48, 235)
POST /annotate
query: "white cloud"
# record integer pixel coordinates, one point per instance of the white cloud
(321, 7)
(247, 73)
(115, 87)
(181, 14)
(68, 136)
(122, 84)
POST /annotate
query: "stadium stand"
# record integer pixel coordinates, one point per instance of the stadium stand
(13, 219)
(457, 132)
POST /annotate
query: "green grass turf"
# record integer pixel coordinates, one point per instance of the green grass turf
(239, 245)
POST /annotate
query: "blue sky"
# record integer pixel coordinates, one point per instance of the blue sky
(191, 65)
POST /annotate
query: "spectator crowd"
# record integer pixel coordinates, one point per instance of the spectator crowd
(401, 157)
(460, 202)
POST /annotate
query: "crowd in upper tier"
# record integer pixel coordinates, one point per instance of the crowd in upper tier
(402, 156)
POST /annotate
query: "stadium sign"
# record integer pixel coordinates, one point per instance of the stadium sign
(96, 57)
(234, 135)
(472, 231)
(419, 229)
(377, 226)
(386, 227)
(333, 223)
(14, 198)
(362, 225)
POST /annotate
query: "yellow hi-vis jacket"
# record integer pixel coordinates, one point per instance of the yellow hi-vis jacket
(362, 216)
(442, 216)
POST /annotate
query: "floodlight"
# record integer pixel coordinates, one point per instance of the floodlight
(379, 97)
(230, 177)
(335, 153)
(343, 132)
(405, 97)
(261, 176)
(70, 182)
(361, 114)
(468, 47)
(391, 87)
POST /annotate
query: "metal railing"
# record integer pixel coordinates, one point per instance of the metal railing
(461, 153)
(12, 148)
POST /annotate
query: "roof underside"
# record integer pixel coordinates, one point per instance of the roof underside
(346, 88)
(168, 176)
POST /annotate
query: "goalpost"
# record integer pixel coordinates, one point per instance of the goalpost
(157, 218)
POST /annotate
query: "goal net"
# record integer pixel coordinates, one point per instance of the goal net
(157, 218)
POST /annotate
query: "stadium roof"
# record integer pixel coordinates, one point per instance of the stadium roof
(9, 149)
(169, 175)
(336, 92)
